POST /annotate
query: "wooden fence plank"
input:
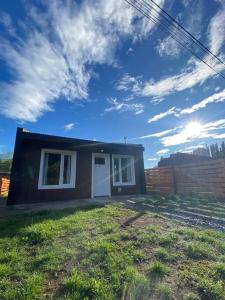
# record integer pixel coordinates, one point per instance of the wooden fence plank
(205, 177)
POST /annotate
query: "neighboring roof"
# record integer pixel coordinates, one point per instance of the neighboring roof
(182, 158)
(45, 137)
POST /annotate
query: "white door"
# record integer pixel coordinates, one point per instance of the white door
(101, 175)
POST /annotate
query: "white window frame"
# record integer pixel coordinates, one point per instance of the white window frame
(72, 184)
(120, 183)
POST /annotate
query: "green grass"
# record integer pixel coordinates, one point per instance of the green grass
(88, 253)
(198, 250)
(158, 268)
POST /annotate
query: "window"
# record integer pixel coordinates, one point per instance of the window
(57, 169)
(99, 160)
(123, 170)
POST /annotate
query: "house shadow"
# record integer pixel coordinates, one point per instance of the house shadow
(11, 225)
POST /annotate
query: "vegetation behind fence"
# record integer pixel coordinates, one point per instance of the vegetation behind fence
(205, 177)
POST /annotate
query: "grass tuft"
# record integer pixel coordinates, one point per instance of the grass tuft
(210, 289)
(197, 250)
(163, 291)
(164, 255)
(158, 268)
(78, 286)
(190, 296)
(220, 270)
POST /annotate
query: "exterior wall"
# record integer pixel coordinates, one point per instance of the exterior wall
(26, 165)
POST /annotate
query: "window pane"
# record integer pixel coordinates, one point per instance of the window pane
(116, 170)
(51, 169)
(99, 160)
(126, 169)
(67, 169)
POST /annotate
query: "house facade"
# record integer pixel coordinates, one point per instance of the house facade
(50, 168)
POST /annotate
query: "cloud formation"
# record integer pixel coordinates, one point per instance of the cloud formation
(123, 106)
(157, 134)
(54, 55)
(215, 98)
(195, 131)
(171, 111)
(163, 151)
(69, 126)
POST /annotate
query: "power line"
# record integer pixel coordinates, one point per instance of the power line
(182, 34)
(186, 31)
(148, 14)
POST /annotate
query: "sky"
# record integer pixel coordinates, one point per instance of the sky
(99, 70)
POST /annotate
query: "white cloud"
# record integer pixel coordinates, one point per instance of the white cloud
(194, 132)
(171, 111)
(158, 134)
(153, 159)
(123, 106)
(69, 126)
(190, 149)
(215, 98)
(53, 56)
(168, 47)
(216, 31)
(130, 50)
(128, 82)
(163, 151)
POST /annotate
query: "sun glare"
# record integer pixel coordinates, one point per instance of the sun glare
(193, 128)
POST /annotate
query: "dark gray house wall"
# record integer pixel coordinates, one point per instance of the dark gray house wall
(26, 166)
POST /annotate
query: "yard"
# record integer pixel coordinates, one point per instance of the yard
(115, 251)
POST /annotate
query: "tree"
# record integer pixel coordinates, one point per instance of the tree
(5, 165)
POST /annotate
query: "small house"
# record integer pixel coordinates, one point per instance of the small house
(49, 168)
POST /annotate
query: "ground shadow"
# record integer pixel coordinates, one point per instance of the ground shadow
(10, 226)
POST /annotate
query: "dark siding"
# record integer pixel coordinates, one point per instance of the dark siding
(26, 164)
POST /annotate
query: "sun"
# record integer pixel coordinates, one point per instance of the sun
(193, 129)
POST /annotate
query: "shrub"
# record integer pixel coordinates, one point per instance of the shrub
(158, 268)
(163, 291)
(197, 250)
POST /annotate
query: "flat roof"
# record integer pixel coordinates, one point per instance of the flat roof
(41, 136)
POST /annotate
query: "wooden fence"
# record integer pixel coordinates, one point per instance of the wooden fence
(4, 184)
(205, 177)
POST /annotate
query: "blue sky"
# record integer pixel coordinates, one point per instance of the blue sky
(99, 70)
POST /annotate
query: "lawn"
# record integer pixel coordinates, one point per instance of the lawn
(109, 252)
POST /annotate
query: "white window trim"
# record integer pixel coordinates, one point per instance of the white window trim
(120, 183)
(73, 170)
